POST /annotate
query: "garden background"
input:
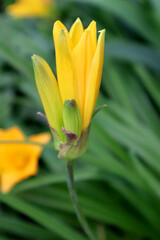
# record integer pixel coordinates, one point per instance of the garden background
(118, 178)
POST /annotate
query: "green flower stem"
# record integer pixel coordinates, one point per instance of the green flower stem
(73, 195)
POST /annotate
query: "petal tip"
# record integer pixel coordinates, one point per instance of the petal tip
(34, 56)
(93, 23)
(78, 20)
(63, 33)
(102, 34)
(37, 59)
(103, 30)
(56, 22)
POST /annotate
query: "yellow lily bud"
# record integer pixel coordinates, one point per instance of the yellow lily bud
(79, 63)
(72, 117)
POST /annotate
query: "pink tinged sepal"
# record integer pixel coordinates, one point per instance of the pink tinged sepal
(71, 138)
(74, 149)
(74, 146)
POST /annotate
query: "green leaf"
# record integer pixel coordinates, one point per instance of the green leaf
(135, 16)
(13, 225)
(48, 179)
(49, 222)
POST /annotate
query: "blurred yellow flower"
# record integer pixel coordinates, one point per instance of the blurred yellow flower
(18, 161)
(29, 8)
(79, 62)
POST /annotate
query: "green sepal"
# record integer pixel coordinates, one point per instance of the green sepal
(56, 139)
(96, 110)
(74, 146)
(73, 151)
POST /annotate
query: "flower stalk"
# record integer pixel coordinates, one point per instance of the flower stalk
(74, 198)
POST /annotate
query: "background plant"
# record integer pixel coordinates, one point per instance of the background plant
(118, 177)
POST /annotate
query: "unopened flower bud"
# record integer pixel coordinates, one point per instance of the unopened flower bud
(72, 118)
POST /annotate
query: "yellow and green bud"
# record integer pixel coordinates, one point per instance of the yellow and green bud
(79, 63)
(72, 118)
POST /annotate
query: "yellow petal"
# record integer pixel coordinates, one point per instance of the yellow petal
(93, 30)
(49, 93)
(12, 176)
(29, 8)
(76, 32)
(41, 138)
(25, 165)
(57, 27)
(8, 180)
(18, 161)
(89, 54)
(83, 55)
(65, 68)
(94, 79)
(79, 55)
(13, 133)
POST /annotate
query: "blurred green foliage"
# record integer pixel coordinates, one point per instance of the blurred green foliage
(118, 179)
